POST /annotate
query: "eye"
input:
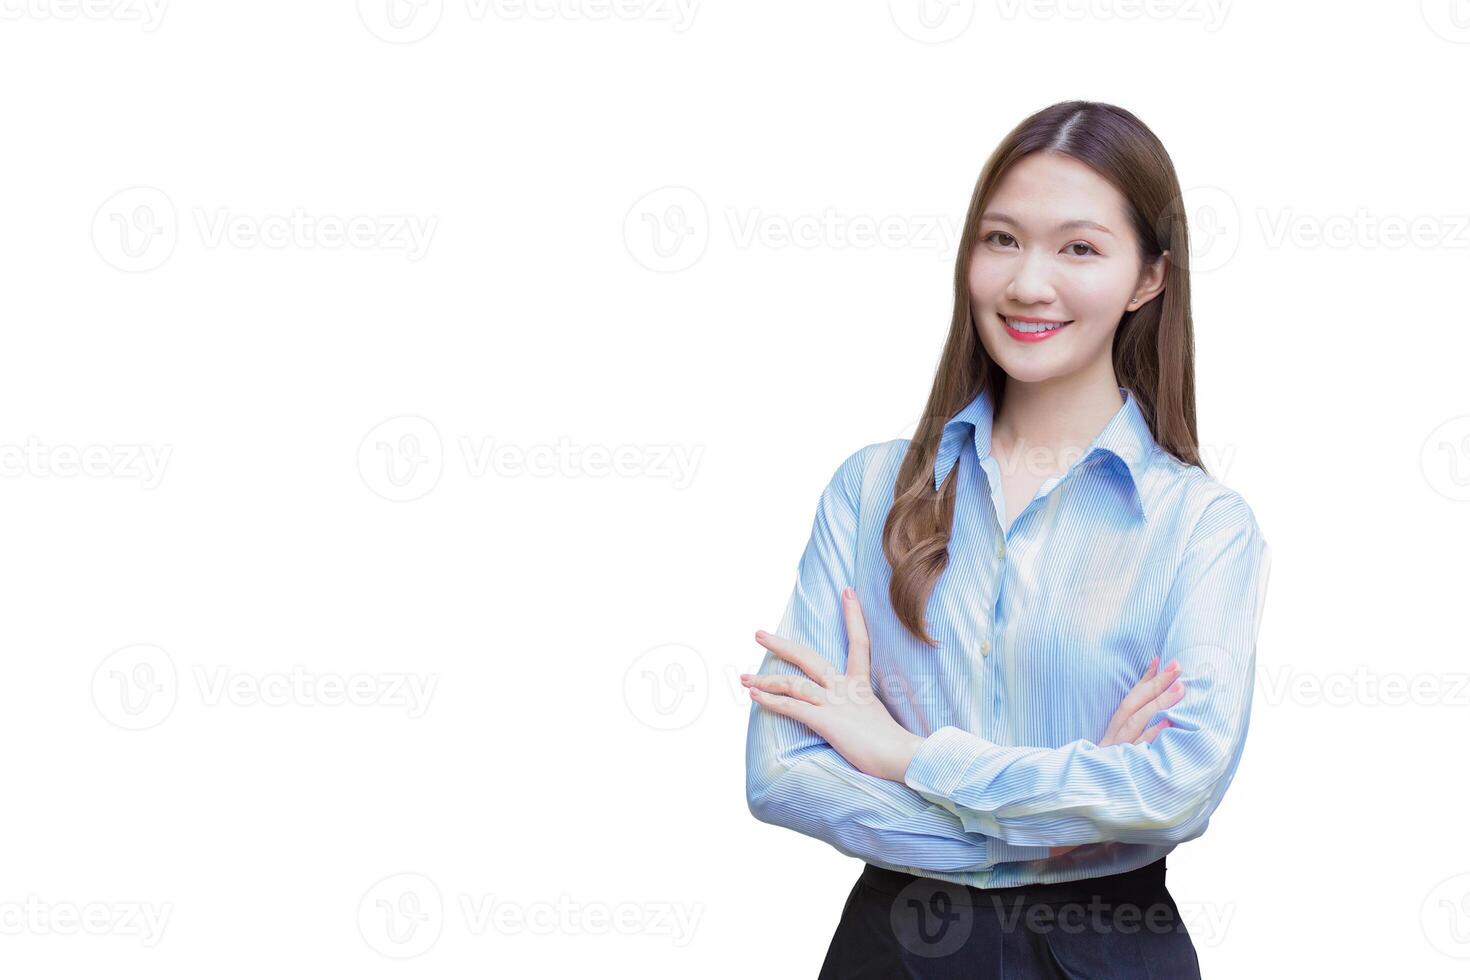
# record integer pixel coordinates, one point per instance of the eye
(1090, 249)
(994, 233)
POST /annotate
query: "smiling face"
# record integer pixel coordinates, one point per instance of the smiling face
(1055, 247)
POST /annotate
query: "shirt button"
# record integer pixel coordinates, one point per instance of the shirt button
(1000, 549)
(984, 648)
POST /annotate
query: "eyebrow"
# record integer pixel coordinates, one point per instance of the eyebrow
(1064, 226)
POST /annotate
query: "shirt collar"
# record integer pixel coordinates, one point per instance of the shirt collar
(1126, 437)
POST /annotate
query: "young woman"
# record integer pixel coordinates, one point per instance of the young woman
(1016, 668)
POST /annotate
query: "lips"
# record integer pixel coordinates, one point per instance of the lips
(1030, 335)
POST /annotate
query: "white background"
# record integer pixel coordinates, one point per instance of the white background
(586, 181)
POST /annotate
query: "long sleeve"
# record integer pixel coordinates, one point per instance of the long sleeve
(1158, 793)
(794, 779)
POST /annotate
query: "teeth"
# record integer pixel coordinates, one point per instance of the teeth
(1031, 327)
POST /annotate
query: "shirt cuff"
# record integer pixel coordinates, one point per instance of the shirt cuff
(943, 760)
(998, 851)
(950, 757)
(936, 770)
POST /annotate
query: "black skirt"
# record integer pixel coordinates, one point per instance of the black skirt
(1122, 926)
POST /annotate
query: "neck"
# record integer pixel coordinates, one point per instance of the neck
(1051, 423)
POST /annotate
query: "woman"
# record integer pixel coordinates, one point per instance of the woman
(1008, 582)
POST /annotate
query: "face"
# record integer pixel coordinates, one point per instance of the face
(1055, 246)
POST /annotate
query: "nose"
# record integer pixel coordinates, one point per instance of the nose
(1031, 285)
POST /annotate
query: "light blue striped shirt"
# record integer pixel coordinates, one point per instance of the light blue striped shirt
(1042, 630)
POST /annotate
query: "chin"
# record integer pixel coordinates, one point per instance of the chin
(1032, 373)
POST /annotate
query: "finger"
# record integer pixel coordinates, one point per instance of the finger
(857, 634)
(1147, 689)
(804, 658)
(790, 684)
(1126, 708)
(1166, 700)
(782, 705)
(1152, 733)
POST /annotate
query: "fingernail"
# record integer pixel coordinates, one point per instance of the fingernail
(1173, 665)
(1176, 687)
(760, 634)
(847, 593)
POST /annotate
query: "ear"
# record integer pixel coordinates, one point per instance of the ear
(1150, 281)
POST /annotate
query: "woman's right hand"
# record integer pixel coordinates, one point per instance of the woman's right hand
(1155, 692)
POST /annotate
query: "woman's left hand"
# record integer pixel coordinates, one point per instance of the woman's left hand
(840, 707)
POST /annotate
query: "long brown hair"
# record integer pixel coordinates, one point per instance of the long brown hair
(1153, 349)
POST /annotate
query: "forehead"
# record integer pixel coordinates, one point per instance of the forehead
(1044, 189)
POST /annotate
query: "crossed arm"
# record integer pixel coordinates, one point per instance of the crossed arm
(967, 804)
